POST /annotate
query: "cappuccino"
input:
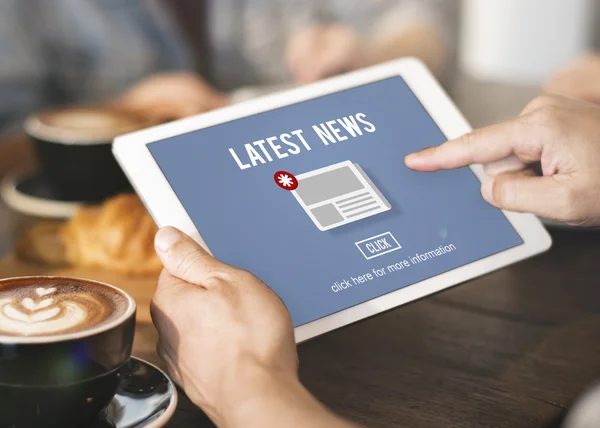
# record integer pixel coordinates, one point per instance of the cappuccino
(58, 308)
(73, 147)
(63, 342)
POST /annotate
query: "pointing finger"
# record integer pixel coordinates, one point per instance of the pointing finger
(487, 145)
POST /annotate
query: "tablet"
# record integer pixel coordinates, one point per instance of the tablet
(308, 190)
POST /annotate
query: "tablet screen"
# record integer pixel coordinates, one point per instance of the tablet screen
(314, 198)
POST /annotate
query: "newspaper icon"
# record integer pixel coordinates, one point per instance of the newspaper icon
(339, 194)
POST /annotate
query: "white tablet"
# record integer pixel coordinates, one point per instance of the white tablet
(308, 190)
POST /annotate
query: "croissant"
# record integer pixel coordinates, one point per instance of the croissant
(117, 236)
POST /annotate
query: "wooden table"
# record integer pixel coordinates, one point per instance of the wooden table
(512, 349)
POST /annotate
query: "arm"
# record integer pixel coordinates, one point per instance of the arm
(409, 28)
(418, 40)
(393, 29)
(170, 96)
(351, 34)
(171, 90)
(277, 401)
(228, 341)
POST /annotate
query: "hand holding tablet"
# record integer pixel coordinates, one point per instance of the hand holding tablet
(358, 217)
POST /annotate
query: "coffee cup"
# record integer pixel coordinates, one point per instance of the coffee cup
(62, 344)
(73, 147)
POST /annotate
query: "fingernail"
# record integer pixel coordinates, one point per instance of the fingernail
(486, 189)
(166, 237)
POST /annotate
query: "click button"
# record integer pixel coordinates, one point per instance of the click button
(378, 245)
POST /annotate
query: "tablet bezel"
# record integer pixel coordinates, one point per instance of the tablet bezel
(166, 209)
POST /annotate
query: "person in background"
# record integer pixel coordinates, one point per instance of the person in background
(168, 59)
(300, 41)
(242, 366)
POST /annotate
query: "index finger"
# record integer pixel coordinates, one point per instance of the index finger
(516, 137)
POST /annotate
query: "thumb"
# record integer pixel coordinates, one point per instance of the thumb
(525, 192)
(185, 259)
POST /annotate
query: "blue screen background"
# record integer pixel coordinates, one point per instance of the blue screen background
(249, 222)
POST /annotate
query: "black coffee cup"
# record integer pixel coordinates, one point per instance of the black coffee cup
(73, 147)
(64, 378)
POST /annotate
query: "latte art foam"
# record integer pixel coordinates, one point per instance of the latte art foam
(33, 310)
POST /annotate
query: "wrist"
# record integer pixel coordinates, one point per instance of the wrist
(252, 391)
(259, 396)
(276, 399)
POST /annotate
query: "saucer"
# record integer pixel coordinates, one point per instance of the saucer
(146, 398)
(32, 195)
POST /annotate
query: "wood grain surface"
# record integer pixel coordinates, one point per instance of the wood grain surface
(511, 349)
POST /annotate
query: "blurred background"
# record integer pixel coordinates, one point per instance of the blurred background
(76, 73)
